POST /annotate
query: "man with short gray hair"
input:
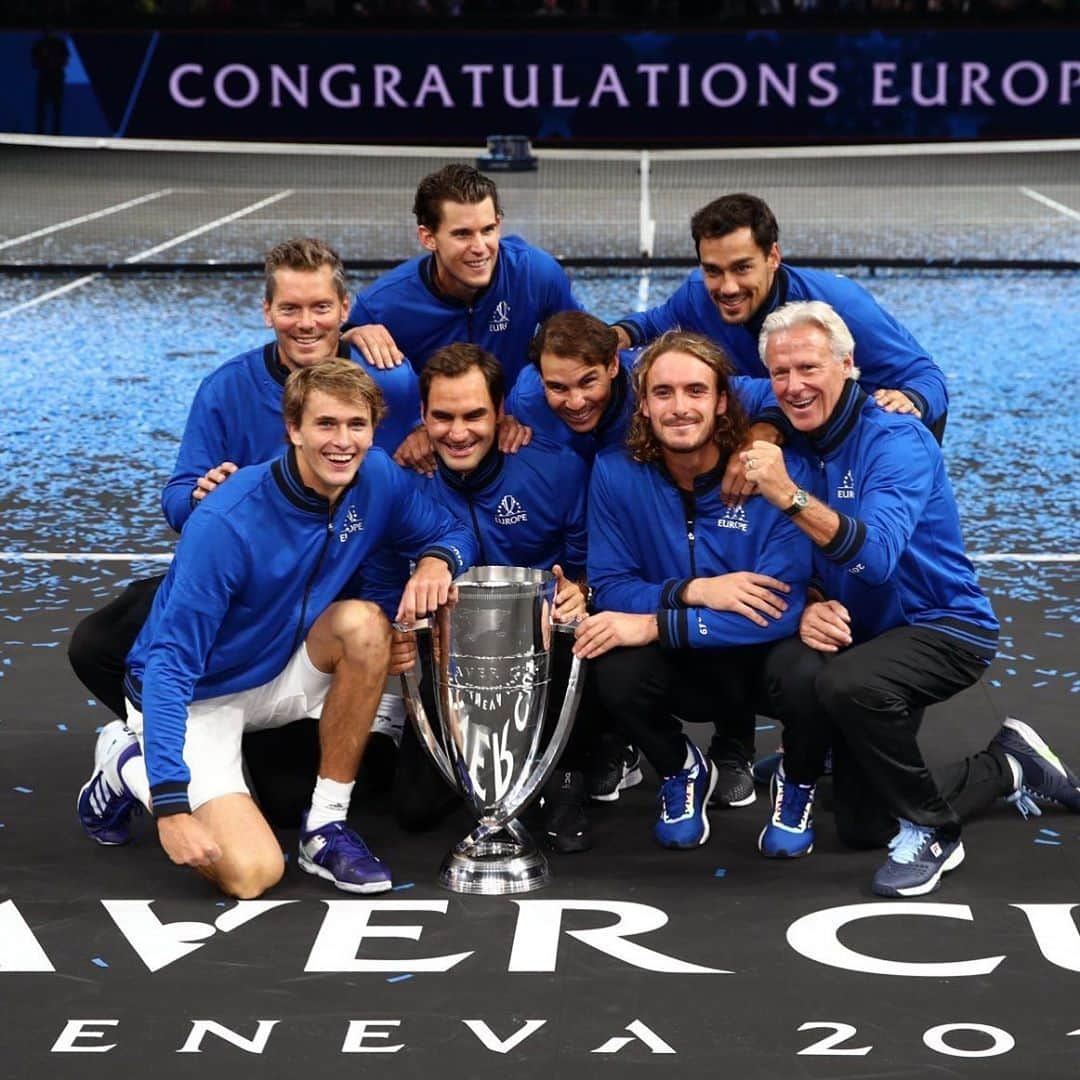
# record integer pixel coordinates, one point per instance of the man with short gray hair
(896, 621)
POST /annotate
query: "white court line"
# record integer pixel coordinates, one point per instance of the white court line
(85, 217)
(150, 251)
(212, 225)
(1027, 556)
(1061, 208)
(84, 556)
(150, 556)
(77, 284)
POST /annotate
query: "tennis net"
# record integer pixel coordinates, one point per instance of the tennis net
(99, 204)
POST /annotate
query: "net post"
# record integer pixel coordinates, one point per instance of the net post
(646, 224)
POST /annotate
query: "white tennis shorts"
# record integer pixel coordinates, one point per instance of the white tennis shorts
(215, 726)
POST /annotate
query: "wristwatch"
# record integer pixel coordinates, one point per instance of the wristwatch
(799, 501)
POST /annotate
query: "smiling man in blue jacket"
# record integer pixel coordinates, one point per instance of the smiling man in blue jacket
(247, 632)
(691, 592)
(741, 278)
(472, 284)
(897, 622)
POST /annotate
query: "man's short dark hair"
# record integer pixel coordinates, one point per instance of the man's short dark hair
(304, 253)
(453, 361)
(730, 212)
(576, 335)
(452, 183)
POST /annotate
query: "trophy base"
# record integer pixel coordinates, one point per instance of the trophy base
(496, 866)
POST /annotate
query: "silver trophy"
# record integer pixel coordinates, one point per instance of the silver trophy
(478, 697)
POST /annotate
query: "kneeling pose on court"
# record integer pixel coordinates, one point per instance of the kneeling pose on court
(692, 591)
(899, 623)
(246, 632)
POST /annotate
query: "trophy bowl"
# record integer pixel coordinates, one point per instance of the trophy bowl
(480, 699)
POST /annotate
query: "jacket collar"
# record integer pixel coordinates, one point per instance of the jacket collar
(702, 482)
(427, 276)
(616, 407)
(286, 472)
(845, 415)
(777, 297)
(485, 473)
(279, 372)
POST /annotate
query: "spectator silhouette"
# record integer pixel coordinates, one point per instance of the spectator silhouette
(49, 56)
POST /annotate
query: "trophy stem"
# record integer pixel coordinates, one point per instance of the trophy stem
(495, 862)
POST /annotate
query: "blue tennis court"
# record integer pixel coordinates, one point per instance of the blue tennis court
(97, 381)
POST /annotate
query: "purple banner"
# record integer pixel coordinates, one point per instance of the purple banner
(559, 88)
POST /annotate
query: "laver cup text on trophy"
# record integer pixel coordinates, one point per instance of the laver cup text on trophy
(479, 695)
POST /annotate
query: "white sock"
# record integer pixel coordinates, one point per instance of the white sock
(133, 774)
(329, 802)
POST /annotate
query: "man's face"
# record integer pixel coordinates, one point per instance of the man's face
(461, 419)
(576, 391)
(305, 314)
(738, 274)
(331, 441)
(682, 403)
(465, 246)
(806, 378)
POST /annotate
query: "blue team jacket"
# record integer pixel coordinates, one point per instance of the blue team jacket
(524, 509)
(236, 416)
(528, 405)
(254, 568)
(526, 287)
(886, 353)
(898, 558)
(647, 539)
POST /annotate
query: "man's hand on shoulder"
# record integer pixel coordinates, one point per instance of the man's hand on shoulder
(825, 626)
(513, 435)
(212, 479)
(598, 634)
(735, 487)
(896, 401)
(744, 593)
(187, 841)
(416, 452)
(375, 344)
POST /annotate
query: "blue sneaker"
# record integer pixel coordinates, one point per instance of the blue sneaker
(683, 822)
(918, 856)
(1042, 774)
(105, 804)
(336, 853)
(790, 831)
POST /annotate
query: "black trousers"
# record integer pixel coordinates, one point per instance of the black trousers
(867, 704)
(100, 643)
(646, 690)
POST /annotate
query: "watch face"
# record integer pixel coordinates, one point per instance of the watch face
(800, 499)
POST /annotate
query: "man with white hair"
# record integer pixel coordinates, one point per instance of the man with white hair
(897, 622)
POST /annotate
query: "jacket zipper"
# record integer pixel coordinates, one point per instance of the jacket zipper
(311, 581)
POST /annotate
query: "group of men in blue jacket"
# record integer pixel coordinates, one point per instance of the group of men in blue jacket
(740, 522)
